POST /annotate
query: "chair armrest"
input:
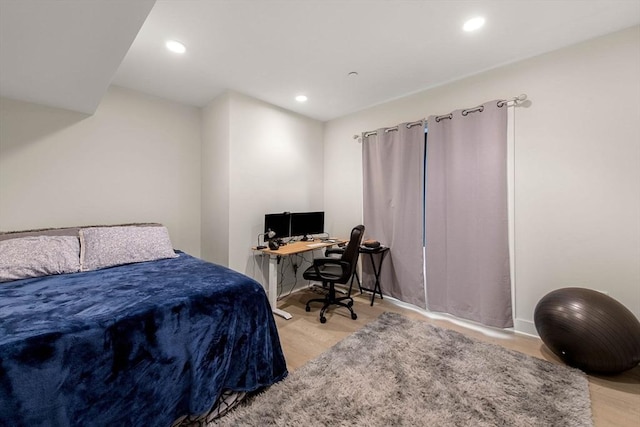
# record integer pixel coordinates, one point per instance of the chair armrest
(335, 251)
(319, 262)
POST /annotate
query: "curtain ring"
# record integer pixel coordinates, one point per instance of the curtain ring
(473, 110)
(446, 116)
(501, 103)
(412, 124)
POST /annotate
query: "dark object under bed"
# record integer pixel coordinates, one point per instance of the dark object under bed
(134, 345)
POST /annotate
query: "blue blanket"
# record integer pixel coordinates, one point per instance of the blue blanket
(134, 345)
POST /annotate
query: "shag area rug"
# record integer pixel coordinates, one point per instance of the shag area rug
(402, 372)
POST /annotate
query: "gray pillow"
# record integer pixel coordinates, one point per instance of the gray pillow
(102, 247)
(38, 256)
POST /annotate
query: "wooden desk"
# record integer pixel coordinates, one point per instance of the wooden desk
(287, 250)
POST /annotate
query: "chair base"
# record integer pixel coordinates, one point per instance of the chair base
(329, 301)
(325, 288)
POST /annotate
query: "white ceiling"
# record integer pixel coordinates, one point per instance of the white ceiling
(274, 50)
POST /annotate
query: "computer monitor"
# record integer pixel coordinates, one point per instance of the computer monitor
(306, 223)
(279, 223)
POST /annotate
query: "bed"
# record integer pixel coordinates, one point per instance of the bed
(134, 344)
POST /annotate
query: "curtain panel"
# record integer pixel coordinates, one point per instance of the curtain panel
(466, 221)
(393, 179)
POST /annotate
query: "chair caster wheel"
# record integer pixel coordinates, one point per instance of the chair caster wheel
(354, 316)
(307, 309)
(323, 319)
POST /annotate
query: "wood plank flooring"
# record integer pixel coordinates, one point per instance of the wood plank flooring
(615, 400)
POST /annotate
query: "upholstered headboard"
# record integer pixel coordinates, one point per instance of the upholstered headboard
(65, 231)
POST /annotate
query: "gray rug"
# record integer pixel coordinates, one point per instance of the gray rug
(402, 372)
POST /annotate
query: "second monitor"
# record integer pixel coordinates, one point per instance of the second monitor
(307, 223)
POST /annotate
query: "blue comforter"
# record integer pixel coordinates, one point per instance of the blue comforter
(134, 345)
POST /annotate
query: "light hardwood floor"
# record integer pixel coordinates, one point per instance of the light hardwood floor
(615, 400)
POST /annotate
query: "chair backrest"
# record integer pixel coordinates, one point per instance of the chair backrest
(353, 248)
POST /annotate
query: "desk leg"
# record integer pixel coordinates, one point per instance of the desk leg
(273, 288)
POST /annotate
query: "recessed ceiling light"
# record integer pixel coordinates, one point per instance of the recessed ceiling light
(176, 46)
(353, 74)
(473, 24)
(301, 98)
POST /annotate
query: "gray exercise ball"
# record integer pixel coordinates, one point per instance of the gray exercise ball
(589, 330)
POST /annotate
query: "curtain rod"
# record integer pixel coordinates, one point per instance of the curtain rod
(409, 126)
(501, 103)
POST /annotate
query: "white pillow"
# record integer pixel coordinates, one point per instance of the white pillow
(102, 247)
(38, 256)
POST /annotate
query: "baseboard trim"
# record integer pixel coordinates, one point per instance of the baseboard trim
(525, 327)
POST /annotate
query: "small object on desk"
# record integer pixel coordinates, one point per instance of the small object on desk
(273, 245)
(315, 245)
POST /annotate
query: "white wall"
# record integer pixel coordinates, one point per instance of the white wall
(275, 164)
(214, 165)
(135, 160)
(577, 165)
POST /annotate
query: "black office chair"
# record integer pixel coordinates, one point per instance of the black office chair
(336, 270)
(337, 252)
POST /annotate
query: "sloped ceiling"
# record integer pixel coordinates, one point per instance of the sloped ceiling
(65, 53)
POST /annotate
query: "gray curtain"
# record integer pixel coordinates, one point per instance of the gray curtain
(467, 246)
(393, 178)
